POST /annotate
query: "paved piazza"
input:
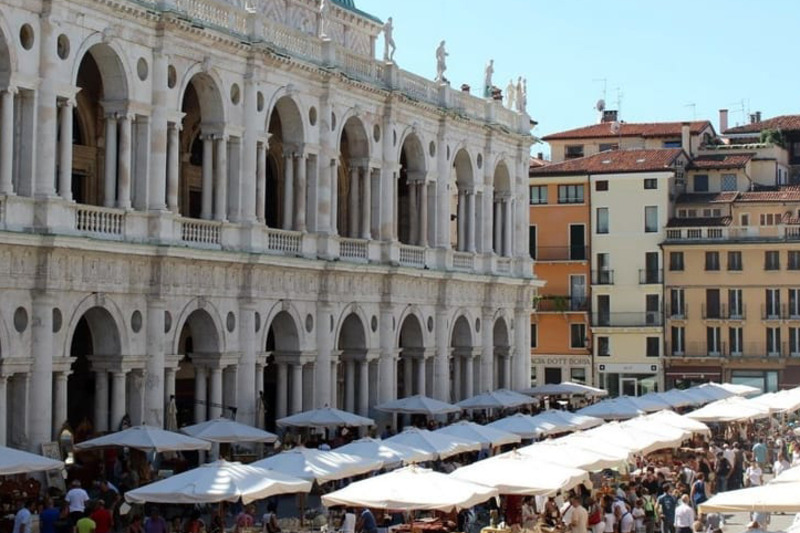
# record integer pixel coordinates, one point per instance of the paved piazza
(216, 203)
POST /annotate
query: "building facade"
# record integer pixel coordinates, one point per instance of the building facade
(208, 201)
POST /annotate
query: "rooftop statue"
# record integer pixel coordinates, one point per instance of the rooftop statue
(388, 41)
(441, 63)
(487, 80)
(324, 14)
(511, 94)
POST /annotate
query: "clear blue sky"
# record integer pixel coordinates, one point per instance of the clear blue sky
(663, 56)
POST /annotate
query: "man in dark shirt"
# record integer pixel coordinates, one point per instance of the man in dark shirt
(666, 505)
(48, 517)
(366, 522)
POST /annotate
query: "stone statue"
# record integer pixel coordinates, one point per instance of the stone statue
(511, 94)
(524, 95)
(487, 79)
(519, 95)
(324, 13)
(388, 41)
(441, 63)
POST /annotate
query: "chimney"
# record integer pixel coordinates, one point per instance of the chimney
(753, 118)
(686, 142)
(609, 115)
(758, 116)
(723, 120)
(540, 155)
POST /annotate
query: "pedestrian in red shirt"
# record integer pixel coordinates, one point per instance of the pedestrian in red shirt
(102, 518)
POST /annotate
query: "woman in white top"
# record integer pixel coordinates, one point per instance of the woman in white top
(753, 475)
(349, 521)
(781, 465)
(608, 517)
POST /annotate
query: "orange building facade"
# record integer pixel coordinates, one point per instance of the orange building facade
(559, 243)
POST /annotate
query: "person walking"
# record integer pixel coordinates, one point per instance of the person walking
(22, 520)
(684, 515)
(77, 498)
(665, 507)
(579, 521)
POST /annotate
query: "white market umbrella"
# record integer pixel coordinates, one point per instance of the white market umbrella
(555, 421)
(739, 390)
(613, 409)
(568, 455)
(585, 441)
(146, 438)
(667, 434)
(671, 418)
(729, 410)
(651, 402)
(227, 430)
(419, 404)
(790, 475)
(523, 425)
(443, 446)
(771, 498)
(514, 473)
(318, 465)
(676, 398)
(700, 396)
(392, 454)
(788, 400)
(411, 489)
(485, 435)
(714, 390)
(575, 420)
(499, 399)
(219, 481)
(566, 388)
(638, 440)
(325, 417)
(13, 461)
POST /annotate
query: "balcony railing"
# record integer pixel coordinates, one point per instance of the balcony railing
(650, 277)
(678, 312)
(777, 312)
(201, 232)
(354, 249)
(735, 233)
(724, 312)
(463, 261)
(413, 256)
(561, 304)
(105, 221)
(284, 242)
(562, 253)
(747, 350)
(602, 277)
(630, 320)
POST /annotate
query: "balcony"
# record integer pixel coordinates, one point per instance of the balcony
(651, 276)
(696, 235)
(628, 320)
(747, 350)
(695, 349)
(724, 312)
(561, 304)
(678, 312)
(775, 312)
(562, 253)
(602, 277)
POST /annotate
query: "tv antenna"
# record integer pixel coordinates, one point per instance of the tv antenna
(694, 110)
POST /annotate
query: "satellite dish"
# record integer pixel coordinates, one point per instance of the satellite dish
(600, 105)
(615, 127)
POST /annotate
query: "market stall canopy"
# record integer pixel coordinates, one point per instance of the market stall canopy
(147, 438)
(730, 410)
(569, 455)
(219, 481)
(553, 422)
(651, 402)
(419, 404)
(613, 409)
(485, 435)
(739, 390)
(671, 418)
(499, 399)
(714, 390)
(639, 440)
(411, 489)
(392, 454)
(667, 435)
(584, 440)
(566, 388)
(677, 398)
(318, 465)
(325, 417)
(782, 401)
(523, 425)
(227, 430)
(442, 445)
(13, 461)
(515, 473)
(770, 498)
(699, 396)
(575, 420)
(788, 476)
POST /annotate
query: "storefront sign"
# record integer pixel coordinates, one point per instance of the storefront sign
(628, 368)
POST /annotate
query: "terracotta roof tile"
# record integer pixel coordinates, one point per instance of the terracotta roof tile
(613, 162)
(629, 129)
(699, 222)
(782, 122)
(720, 161)
(708, 198)
(536, 162)
(781, 195)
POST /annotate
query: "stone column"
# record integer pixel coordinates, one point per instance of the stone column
(387, 381)
(462, 220)
(248, 173)
(413, 223)
(352, 209)
(507, 227)
(470, 222)
(334, 197)
(363, 387)
(441, 361)
(288, 191)
(300, 194)
(349, 385)
(45, 139)
(4, 403)
(124, 163)
(522, 360)
(366, 204)
(229, 391)
(200, 394)
(408, 375)
(215, 404)
(118, 396)
(421, 386)
(65, 150)
(221, 180)
(506, 384)
(395, 206)
(7, 142)
(469, 376)
(324, 394)
(423, 213)
(297, 388)
(135, 398)
(59, 402)
(173, 166)
(101, 401)
(498, 227)
(281, 394)
(457, 371)
(207, 196)
(245, 389)
(154, 384)
(487, 351)
(334, 382)
(261, 182)
(169, 384)
(110, 183)
(158, 153)
(40, 402)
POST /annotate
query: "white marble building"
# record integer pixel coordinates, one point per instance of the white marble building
(201, 198)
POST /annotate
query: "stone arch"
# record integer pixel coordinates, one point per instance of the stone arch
(353, 192)
(413, 198)
(412, 365)
(202, 147)
(462, 202)
(206, 320)
(289, 320)
(462, 375)
(502, 177)
(355, 311)
(112, 311)
(501, 353)
(287, 137)
(8, 52)
(502, 206)
(352, 374)
(102, 77)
